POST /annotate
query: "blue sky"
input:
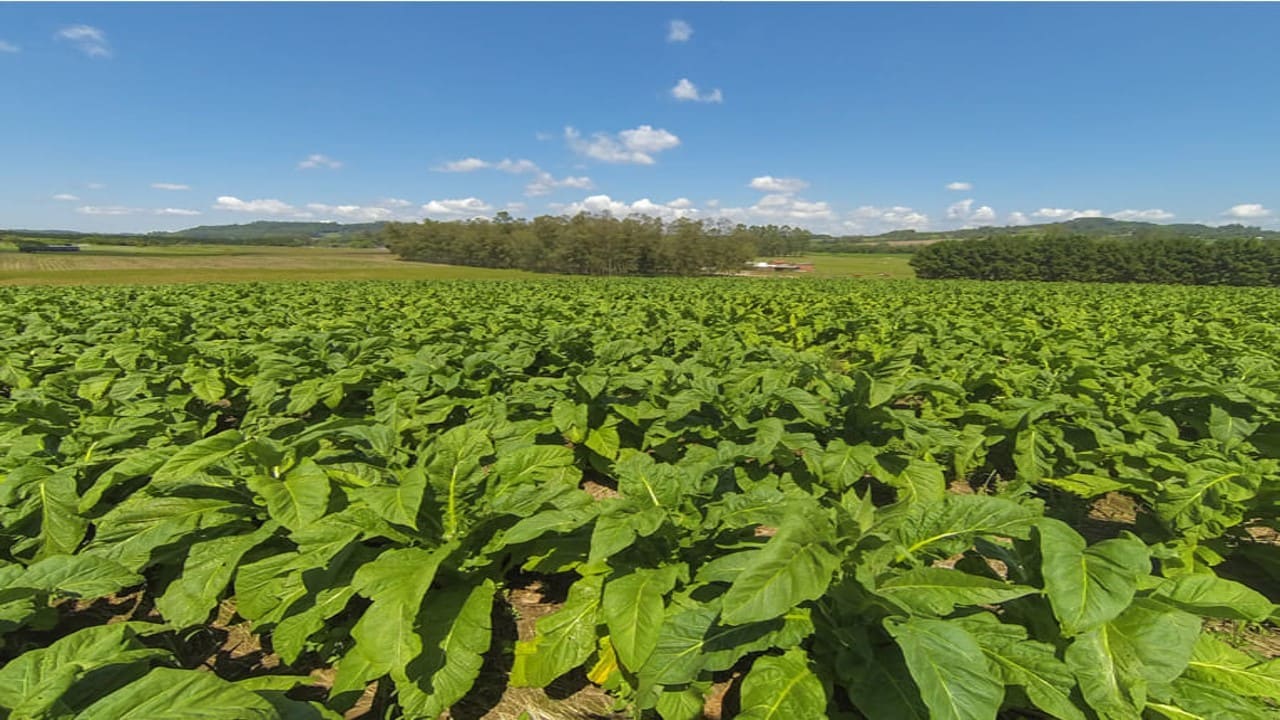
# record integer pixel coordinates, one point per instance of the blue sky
(838, 117)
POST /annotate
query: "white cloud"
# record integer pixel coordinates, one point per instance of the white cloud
(90, 40)
(516, 167)
(685, 90)
(1150, 215)
(107, 210)
(95, 185)
(1065, 214)
(637, 145)
(968, 214)
(545, 183)
(515, 207)
(394, 203)
(351, 212)
(464, 165)
(679, 31)
(259, 207)
(170, 186)
(317, 160)
(1018, 218)
(768, 183)
(780, 207)
(8, 47)
(598, 204)
(65, 196)
(960, 186)
(874, 220)
(1248, 211)
(176, 211)
(462, 206)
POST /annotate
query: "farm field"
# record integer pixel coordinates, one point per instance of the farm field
(655, 498)
(124, 265)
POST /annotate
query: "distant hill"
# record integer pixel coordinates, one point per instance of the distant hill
(1092, 227)
(255, 233)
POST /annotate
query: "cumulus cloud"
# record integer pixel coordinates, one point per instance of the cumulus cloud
(770, 184)
(8, 47)
(65, 196)
(965, 212)
(89, 40)
(1017, 218)
(685, 90)
(176, 211)
(461, 166)
(394, 203)
(1149, 215)
(679, 31)
(1248, 211)
(959, 185)
(362, 213)
(637, 145)
(463, 206)
(1065, 214)
(170, 186)
(517, 167)
(780, 207)
(545, 183)
(600, 204)
(317, 160)
(872, 219)
(259, 207)
(107, 210)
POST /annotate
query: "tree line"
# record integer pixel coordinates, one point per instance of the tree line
(1169, 260)
(590, 244)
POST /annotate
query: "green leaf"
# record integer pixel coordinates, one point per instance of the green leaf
(1210, 595)
(782, 687)
(794, 566)
(691, 641)
(396, 582)
(1047, 681)
(41, 681)
(633, 611)
(943, 527)
(299, 498)
(1228, 430)
(208, 569)
(1216, 663)
(455, 634)
(191, 459)
(1089, 586)
(537, 463)
(398, 503)
(563, 640)
(167, 694)
(1103, 664)
(61, 527)
(947, 664)
(937, 591)
(83, 576)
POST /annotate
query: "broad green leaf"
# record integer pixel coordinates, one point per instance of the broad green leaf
(398, 503)
(208, 569)
(938, 591)
(1087, 586)
(1033, 665)
(1210, 595)
(1104, 666)
(794, 566)
(1214, 703)
(396, 583)
(191, 459)
(633, 610)
(167, 694)
(947, 664)
(297, 499)
(61, 526)
(562, 640)
(1228, 430)
(691, 641)
(782, 688)
(454, 471)
(1218, 664)
(537, 463)
(83, 576)
(944, 526)
(455, 634)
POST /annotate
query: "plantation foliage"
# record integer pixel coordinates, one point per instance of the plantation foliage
(1169, 260)
(587, 244)
(860, 500)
